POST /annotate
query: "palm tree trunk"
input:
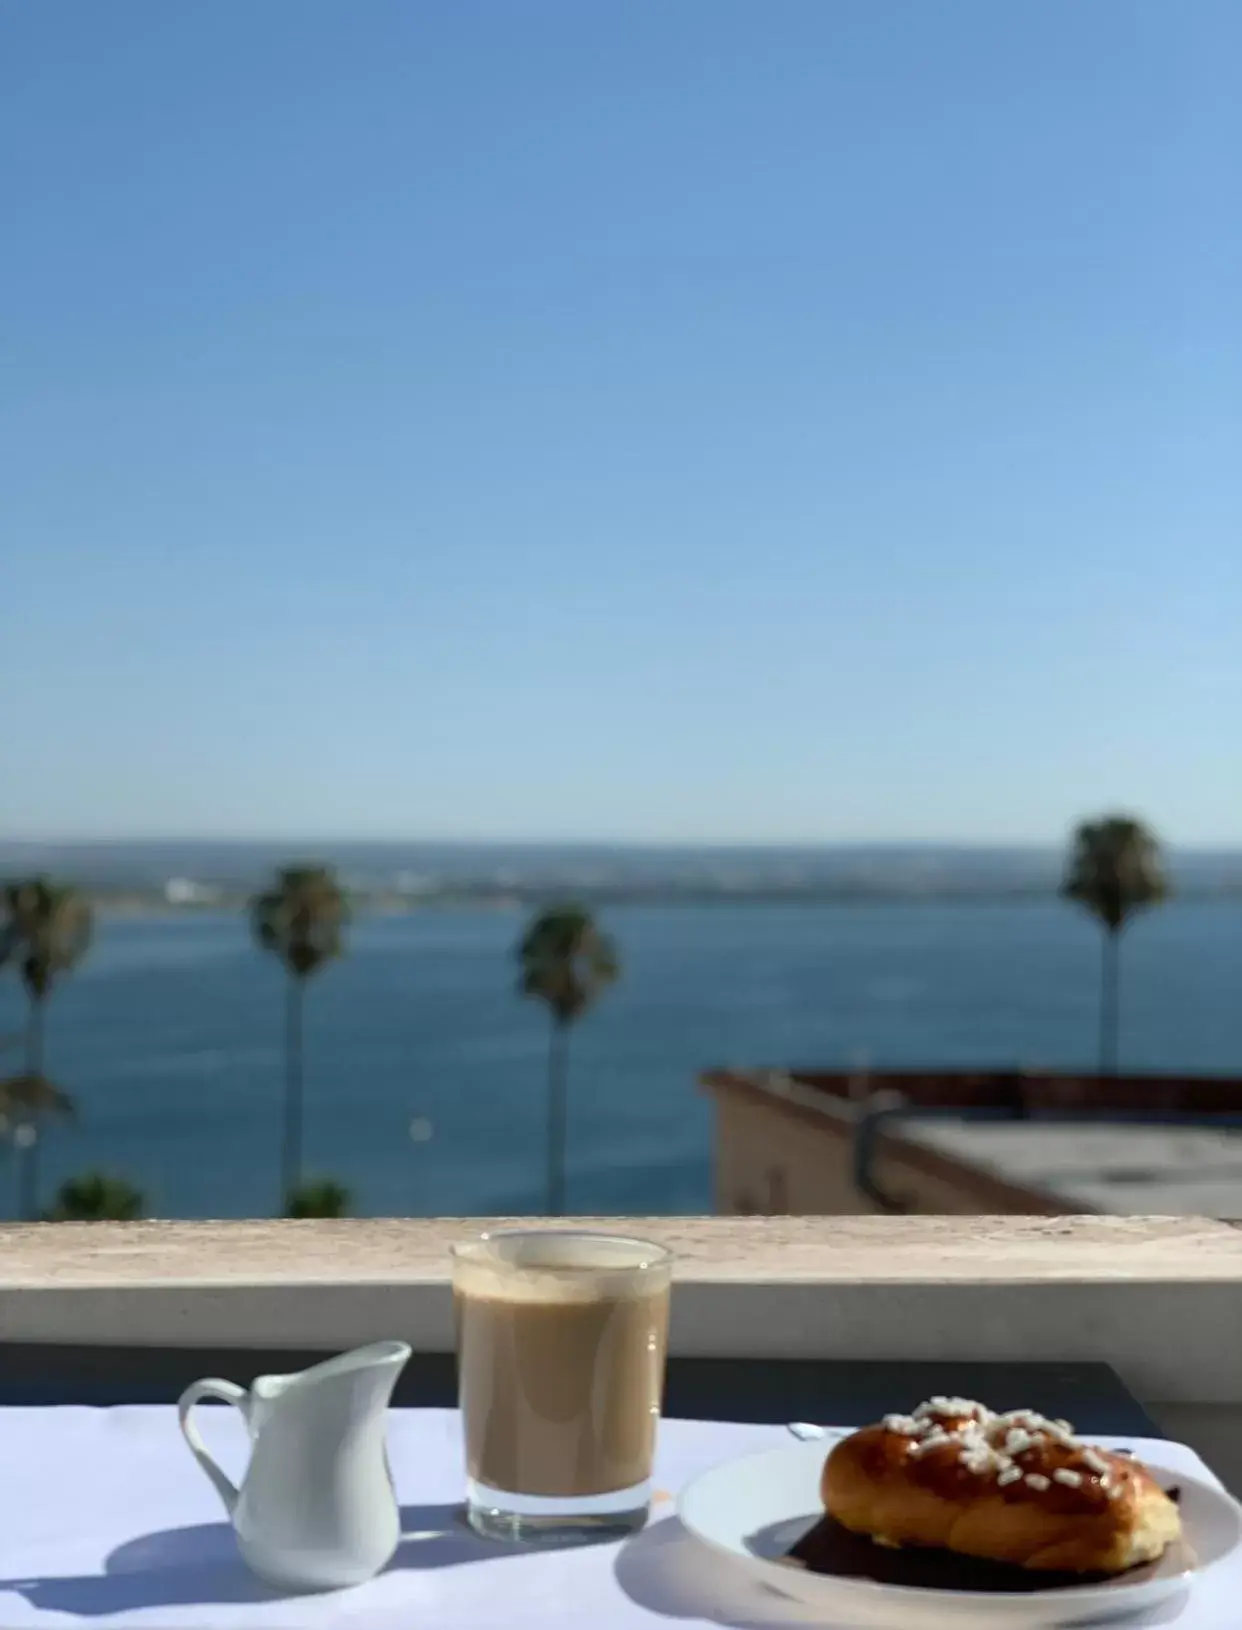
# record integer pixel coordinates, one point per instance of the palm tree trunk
(291, 1143)
(28, 1172)
(34, 1037)
(28, 1142)
(558, 1105)
(1110, 1002)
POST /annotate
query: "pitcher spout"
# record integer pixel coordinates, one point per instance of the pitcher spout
(368, 1374)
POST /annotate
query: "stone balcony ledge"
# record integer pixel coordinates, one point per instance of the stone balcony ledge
(778, 1250)
(1158, 1298)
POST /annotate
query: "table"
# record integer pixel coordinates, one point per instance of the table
(847, 1392)
(111, 1526)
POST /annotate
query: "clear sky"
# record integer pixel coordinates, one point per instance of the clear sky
(642, 419)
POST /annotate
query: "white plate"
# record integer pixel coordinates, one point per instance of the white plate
(754, 1509)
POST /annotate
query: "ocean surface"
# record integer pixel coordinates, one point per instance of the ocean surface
(169, 1039)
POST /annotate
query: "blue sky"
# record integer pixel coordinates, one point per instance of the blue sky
(646, 419)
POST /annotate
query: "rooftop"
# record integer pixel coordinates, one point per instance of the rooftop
(1021, 1141)
(1134, 1170)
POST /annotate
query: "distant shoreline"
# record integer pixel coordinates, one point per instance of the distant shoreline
(135, 906)
(166, 878)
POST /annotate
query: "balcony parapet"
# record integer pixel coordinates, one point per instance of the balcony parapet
(1158, 1298)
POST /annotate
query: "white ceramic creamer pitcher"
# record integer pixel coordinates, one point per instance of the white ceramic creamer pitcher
(316, 1509)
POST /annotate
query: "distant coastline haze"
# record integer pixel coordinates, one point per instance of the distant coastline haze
(196, 873)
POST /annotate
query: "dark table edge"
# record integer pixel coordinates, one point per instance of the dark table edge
(843, 1392)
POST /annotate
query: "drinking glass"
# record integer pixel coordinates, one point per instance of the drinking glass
(561, 1341)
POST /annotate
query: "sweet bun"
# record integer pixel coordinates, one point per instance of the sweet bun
(1009, 1488)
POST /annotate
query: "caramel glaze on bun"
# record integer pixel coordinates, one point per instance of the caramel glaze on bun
(1010, 1488)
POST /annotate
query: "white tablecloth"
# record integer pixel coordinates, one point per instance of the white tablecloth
(105, 1520)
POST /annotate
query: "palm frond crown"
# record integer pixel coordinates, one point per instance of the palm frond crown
(302, 918)
(1114, 869)
(96, 1197)
(47, 930)
(319, 1197)
(28, 1097)
(565, 960)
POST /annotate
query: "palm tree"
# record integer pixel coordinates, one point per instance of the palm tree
(25, 1100)
(47, 932)
(300, 920)
(1114, 870)
(96, 1197)
(319, 1197)
(565, 961)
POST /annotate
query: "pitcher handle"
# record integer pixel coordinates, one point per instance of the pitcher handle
(228, 1393)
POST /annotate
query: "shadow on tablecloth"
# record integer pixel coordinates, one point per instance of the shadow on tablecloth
(174, 1567)
(667, 1572)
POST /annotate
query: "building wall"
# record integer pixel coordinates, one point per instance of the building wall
(769, 1164)
(780, 1158)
